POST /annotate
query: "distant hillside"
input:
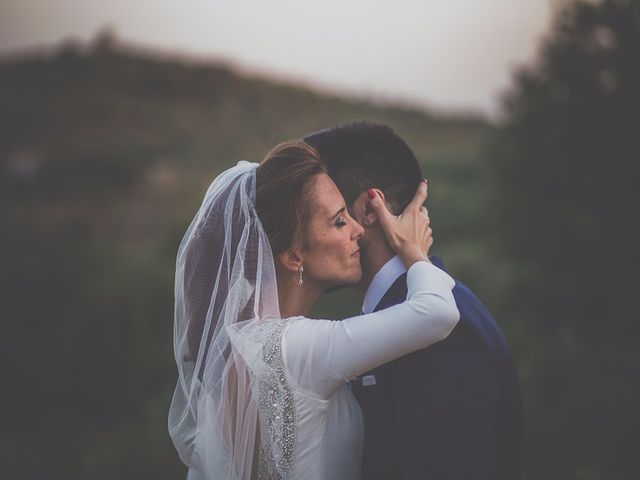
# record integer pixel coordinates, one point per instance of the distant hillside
(82, 120)
(92, 106)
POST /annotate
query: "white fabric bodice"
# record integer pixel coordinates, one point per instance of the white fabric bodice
(329, 436)
(317, 358)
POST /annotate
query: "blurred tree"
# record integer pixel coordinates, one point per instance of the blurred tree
(566, 164)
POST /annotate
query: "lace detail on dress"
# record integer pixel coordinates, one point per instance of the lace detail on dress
(277, 414)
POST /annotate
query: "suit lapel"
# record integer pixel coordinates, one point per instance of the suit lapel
(397, 293)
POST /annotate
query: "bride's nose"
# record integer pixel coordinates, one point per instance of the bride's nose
(357, 231)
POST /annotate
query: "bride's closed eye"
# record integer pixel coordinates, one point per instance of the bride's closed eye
(340, 221)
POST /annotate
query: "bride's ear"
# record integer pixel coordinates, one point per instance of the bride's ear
(290, 259)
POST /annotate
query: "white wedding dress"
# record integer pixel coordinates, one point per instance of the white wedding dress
(309, 418)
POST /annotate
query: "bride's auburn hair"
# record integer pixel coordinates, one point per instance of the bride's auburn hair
(282, 183)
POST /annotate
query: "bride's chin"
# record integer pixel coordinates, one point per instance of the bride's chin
(345, 281)
(354, 278)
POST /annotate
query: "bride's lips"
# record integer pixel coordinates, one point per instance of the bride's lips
(357, 252)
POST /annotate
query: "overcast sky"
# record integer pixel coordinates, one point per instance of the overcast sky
(448, 54)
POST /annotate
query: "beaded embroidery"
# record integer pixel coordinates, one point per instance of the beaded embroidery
(276, 406)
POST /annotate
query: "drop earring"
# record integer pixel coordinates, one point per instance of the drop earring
(300, 270)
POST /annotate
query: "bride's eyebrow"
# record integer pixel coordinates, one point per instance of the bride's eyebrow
(338, 212)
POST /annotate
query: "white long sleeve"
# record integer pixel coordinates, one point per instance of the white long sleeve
(322, 354)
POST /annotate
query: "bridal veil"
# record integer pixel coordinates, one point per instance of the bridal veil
(225, 290)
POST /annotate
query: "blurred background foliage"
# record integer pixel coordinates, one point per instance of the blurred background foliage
(106, 151)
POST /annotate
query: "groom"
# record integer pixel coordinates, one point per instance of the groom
(450, 411)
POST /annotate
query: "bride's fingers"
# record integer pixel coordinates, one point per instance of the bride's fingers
(425, 212)
(385, 217)
(420, 195)
(428, 232)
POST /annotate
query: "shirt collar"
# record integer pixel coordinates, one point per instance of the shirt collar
(381, 282)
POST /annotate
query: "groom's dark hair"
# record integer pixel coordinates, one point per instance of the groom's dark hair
(363, 155)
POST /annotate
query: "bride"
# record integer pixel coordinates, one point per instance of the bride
(263, 389)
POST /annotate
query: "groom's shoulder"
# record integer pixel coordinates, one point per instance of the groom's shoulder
(438, 262)
(476, 329)
(459, 287)
(477, 324)
(463, 295)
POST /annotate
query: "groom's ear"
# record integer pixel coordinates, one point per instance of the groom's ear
(368, 216)
(290, 259)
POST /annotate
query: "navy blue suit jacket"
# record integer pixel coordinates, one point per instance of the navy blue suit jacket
(452, 411)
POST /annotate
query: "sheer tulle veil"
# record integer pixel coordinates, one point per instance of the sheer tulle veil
(225, 286)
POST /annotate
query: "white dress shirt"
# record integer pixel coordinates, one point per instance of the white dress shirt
(381, 282)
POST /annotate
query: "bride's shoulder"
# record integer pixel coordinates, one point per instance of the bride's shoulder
(270, 326)
(260, 328)
(273, 331)
(279, 327)
(260, 341)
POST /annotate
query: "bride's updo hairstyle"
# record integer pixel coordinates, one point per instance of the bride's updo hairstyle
(282, 182)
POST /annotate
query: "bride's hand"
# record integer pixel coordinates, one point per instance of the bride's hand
(409, 233)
